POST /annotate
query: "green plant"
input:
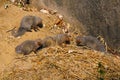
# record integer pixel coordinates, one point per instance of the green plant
(101, 71)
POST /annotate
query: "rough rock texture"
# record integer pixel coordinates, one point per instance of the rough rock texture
(98, 17)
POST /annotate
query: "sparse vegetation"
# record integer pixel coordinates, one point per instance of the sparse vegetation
(101, 71)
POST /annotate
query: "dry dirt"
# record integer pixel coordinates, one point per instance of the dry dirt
(53, 63)
(10, 18)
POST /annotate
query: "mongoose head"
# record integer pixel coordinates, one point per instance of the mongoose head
(67, 39)
(38, 21)
(38, 42)
(80, 41)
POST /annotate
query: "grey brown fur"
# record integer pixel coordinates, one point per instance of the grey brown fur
(62, 39)
(58, 39)
(90, 42)
(27, 24)
(28, 46)
(48, 41)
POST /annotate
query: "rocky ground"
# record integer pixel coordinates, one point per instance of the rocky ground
(52, 63)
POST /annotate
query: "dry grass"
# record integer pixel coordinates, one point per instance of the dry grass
(56, 63)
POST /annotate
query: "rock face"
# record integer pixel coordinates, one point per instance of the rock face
(98, 17)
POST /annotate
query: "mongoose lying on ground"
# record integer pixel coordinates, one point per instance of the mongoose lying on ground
(28, 46)
(58, 39)
(48, 41)
(90, 42)
(62, 39)
(27, 24)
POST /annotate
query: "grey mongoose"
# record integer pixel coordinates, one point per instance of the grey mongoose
(48, 41)
(62, 39)
(27, 24)
(91, 42)
(58, 39)
(29, 46)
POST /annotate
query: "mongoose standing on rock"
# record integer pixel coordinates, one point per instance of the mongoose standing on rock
(90, 42)
(28, 46)
(27, 24)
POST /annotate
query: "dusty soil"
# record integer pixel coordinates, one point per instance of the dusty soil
(53, 63)
(10, 18)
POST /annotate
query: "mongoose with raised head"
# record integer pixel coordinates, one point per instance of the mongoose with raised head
(91, 42)
(29, 46)
(27, 24)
